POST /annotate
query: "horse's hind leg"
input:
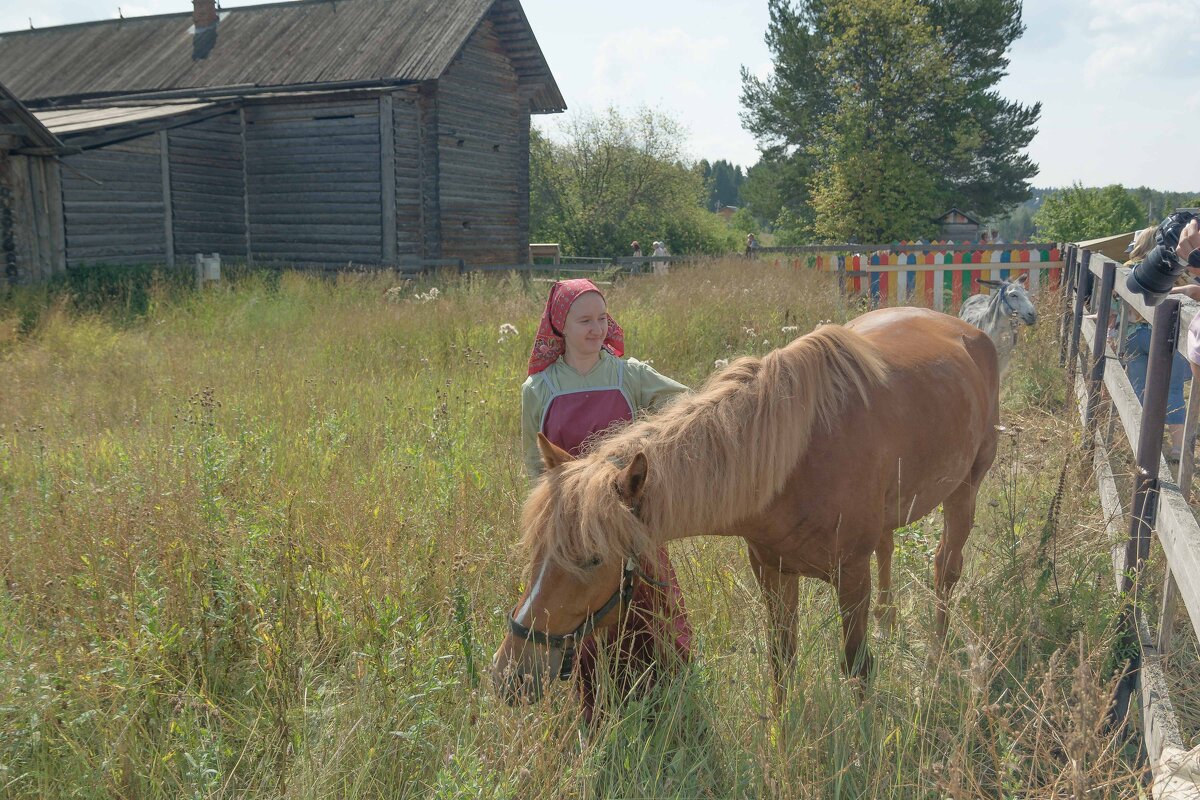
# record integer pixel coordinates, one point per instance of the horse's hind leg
(885, 611)
(959, 511)
(782, 594)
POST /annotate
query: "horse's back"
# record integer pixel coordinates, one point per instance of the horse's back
(943, 380)
(975, 309)
(919, 339)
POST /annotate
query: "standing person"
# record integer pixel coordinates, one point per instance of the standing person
(1189, 242)
(637, 253)
(661, 267)
(751, 245)
(578, 386)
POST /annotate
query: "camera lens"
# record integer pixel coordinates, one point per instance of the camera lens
(1155, 275)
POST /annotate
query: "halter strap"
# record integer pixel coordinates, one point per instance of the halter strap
(569, 641)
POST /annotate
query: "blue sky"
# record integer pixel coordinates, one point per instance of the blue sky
(1119, 80)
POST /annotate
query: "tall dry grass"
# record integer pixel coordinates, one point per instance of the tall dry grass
(260, 543)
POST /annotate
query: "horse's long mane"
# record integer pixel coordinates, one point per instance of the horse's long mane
(714, 456)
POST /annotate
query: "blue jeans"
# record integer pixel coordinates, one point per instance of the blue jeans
(1137, 351)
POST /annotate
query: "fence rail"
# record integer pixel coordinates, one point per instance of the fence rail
(1158, 507)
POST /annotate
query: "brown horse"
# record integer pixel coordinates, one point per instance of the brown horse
(814, 454)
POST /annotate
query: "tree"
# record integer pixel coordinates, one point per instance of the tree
(1077, 214)
(612, 179)
(884, 113)
(725, 184)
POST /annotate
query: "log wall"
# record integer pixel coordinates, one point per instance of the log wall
(207, 188)
(483, 145)
(112, 200)
(313, 181)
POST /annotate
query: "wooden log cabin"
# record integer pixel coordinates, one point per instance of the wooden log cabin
(308, 133)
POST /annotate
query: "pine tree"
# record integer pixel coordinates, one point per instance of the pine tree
(882, 113)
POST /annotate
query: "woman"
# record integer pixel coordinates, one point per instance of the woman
(1189, 241)
(578, 386)
(1137, 355)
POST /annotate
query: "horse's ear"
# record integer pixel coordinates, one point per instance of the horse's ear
(632, 480)
(552, 455)
(1023, 279)
(989, 282)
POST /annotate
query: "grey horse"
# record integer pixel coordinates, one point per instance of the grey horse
(1000, 313)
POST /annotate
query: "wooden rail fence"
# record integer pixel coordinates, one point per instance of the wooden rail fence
(1158, 507)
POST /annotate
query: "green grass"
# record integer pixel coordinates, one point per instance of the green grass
(259, 541)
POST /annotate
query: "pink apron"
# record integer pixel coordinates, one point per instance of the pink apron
(656, 616)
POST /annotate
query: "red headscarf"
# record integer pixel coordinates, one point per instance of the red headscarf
(549, 343)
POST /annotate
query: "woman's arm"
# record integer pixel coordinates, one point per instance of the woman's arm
(649, 388)
(531, 420)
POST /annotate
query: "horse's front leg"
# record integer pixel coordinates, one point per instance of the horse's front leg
(853, 585)
(781, 591)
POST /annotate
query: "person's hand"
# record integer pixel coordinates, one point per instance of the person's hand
(1191, 290)
(1189, 240)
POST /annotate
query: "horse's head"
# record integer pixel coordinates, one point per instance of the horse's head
(580, 528)
(1014, 298)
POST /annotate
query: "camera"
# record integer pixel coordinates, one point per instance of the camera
(1154, 276)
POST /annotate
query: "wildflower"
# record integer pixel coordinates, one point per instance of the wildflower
(766, 341)
(393, 295)
(431, 295)
(748, 331)
(790, 329)
(721, 363)
(506, 331)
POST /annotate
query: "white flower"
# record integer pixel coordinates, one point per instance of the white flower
(765, 341)
(393, 295)
(506, 331)
(721, 363)
(789, 329)
(432, 294)
(748, 331)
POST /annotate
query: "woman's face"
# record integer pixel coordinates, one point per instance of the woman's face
(587, 324)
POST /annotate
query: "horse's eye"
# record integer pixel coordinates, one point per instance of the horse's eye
(592, 562)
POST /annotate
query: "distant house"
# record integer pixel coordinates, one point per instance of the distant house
(727, 212)
(958, 226)
(311, 132)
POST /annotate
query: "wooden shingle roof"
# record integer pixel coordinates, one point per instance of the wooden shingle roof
(305, 43)
(27, 130)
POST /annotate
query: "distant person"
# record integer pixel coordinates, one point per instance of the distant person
(636, 267)
(661, 267)
(751, 246)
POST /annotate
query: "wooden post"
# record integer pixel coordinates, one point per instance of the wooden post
(1099, 344)
(1083, 288)
(164, 160)
(1065, 324)
(1122, 333)
(1144, 508)
(245, 186)
(1187, 466)
(387, 174)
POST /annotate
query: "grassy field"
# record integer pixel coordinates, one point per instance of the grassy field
(260, 541)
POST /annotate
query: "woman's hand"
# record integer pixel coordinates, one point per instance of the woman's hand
(1191, 290)
(1189, 240)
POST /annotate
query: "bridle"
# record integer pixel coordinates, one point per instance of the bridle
(568, 642)
(1013, 315)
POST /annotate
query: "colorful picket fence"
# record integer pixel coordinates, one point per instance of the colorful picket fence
(940, 279)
